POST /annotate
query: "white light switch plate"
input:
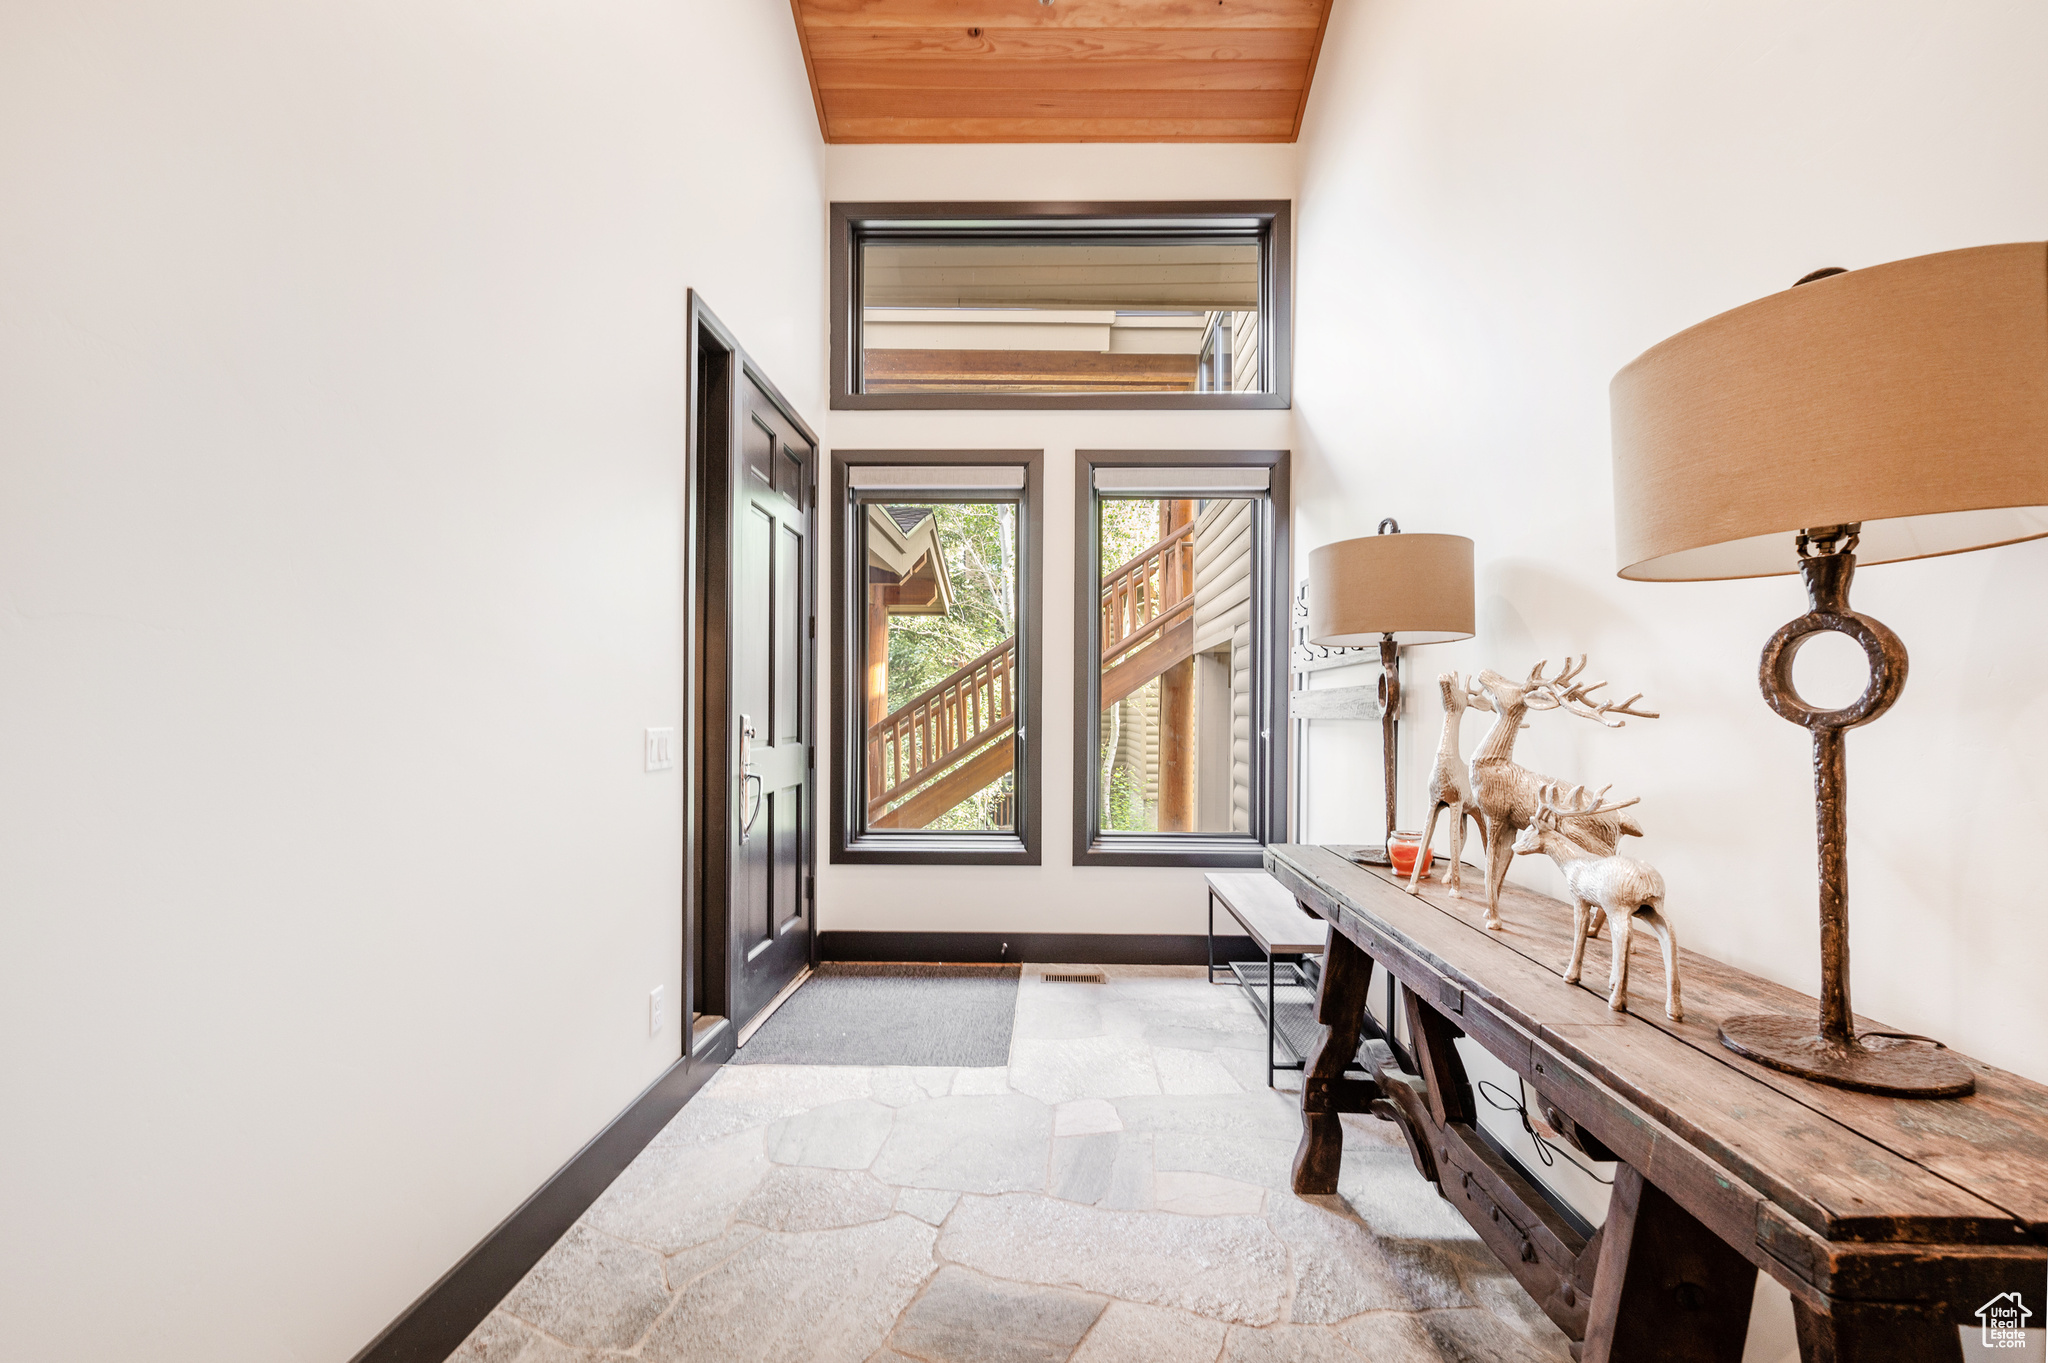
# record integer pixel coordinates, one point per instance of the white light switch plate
(654, 1013)
(661, 749)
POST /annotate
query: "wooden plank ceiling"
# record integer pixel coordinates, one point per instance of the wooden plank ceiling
(1069, 71)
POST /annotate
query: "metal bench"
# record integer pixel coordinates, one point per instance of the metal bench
(1286, 936)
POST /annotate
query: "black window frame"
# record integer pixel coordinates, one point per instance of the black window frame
(1271, 569)
(852, 842)
(853, 222)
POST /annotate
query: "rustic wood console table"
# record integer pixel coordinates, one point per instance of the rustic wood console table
(1890, 1221)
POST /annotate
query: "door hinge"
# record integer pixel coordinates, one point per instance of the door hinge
(814, 627)
(811, 888)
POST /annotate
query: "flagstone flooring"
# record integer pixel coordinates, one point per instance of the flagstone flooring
(1117, 1192)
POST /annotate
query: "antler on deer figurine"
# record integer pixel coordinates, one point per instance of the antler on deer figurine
(1626, 890)
(1450, 787)
(1561, 692)
(1508, 793)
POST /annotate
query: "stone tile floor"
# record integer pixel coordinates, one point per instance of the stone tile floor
(1117, 1192)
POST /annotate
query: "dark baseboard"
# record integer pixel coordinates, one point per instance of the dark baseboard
(435, 1326)
(1061, 948)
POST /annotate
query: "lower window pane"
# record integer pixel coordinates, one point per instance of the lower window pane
(1177, 630)
(941, 666)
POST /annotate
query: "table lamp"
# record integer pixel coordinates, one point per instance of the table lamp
(1390, 589)
(1894, 412)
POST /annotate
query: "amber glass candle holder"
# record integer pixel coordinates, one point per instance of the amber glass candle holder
(1403, 848)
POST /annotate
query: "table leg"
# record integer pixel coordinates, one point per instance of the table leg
(1269, 1019)
(1666, 1287)
(1434, 1043)
(1877, 1332)
(1212, 938)
(1340, 1008)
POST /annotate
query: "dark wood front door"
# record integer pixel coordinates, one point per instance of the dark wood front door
(773, 479)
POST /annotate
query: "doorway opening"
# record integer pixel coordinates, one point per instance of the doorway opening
(750, 874)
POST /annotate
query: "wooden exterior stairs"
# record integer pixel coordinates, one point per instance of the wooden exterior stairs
(954, 738)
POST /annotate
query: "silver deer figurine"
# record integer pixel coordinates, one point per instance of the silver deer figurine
(1450, 787)
(1508, 793)
(1627, 891)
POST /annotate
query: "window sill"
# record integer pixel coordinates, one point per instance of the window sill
(936, 849)
(1224, 850)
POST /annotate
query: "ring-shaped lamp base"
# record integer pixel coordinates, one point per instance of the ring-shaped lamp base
(1829, 1050)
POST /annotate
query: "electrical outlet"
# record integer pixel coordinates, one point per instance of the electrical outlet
(661, 749)
(654, 1013)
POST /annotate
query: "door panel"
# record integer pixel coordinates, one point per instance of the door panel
(789, 475)
(786, 897)
(758, 445)
(772, 667)
(789, 635)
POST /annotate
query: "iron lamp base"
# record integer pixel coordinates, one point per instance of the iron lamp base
(1894, 1066)
(1827, 1049)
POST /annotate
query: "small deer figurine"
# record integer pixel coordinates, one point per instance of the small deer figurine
(1450, 787)
(1625, 889)
(1507, 791)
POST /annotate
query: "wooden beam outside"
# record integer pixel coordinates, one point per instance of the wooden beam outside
(995, 371)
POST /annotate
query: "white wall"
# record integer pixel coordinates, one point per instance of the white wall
(1055, 896)
(1500, 206)
(341, 411)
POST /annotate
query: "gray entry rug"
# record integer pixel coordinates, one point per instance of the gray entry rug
(850, 1013)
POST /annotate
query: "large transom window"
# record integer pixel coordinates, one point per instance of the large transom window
(996, 305)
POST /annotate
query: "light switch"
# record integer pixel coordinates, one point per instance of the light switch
(661, 749)
(654, 1017)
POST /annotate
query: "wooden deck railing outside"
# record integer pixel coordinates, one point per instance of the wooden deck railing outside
(922, 737)
(1147, 594)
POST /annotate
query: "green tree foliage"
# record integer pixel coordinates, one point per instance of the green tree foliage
(979, 542)
(1124, 807)
(1129, 524)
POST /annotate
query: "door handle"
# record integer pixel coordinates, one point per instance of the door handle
(747, 773)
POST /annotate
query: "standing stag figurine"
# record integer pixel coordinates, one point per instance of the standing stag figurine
(1625, 889)
(1450, 787)
(1508, 793)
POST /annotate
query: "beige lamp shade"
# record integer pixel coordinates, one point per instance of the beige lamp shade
(1911, 397)
(1417, 588)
